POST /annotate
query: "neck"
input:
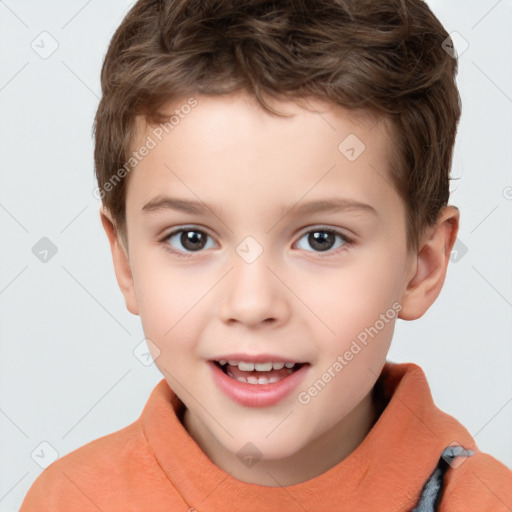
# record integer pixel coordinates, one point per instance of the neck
(312, 460)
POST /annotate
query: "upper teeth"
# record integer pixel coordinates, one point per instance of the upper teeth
(259, 367)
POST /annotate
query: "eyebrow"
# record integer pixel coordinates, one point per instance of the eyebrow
(162, 203)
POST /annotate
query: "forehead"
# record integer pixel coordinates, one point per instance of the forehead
(232, 141)
(245, 116)
(244, 109)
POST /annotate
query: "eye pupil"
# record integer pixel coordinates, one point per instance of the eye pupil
(193, 240)
(321, 240)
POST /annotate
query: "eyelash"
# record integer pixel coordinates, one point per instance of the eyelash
(347, 241)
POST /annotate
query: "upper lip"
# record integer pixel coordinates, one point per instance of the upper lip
(257, 358)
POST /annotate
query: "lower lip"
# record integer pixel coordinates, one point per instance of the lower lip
(257, 395)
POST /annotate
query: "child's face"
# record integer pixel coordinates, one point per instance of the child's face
(252, 278)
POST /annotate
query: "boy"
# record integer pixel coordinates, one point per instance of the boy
(305, 149)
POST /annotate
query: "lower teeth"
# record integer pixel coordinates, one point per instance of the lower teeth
(252, 380)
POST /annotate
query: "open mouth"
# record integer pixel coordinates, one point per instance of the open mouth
(258, 373)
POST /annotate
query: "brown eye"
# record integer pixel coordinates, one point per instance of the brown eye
(193, 240)
(322, 240)
(190, 240)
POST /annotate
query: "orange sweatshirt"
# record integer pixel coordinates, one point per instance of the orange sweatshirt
(153, 465)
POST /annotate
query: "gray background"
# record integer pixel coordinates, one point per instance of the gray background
(68, 369)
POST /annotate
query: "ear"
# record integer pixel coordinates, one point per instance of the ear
(121, 262)
(431, 263)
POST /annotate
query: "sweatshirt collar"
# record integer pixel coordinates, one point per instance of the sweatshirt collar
(410, 424)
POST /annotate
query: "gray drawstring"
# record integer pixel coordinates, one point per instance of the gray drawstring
(433, 488)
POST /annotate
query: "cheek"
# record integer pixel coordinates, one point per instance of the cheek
(351, 300)
(169, 301)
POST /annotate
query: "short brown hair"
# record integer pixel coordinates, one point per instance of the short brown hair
(385, 57)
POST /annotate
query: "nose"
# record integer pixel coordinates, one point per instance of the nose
(254, 295)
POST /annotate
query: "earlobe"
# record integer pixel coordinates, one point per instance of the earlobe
(121, 262)
(431, 265)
